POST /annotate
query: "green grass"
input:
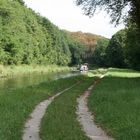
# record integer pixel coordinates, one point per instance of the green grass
(17, 104)
(97, 72)
(10, 71)
(115, 102)
(113, 72)
(60, 121)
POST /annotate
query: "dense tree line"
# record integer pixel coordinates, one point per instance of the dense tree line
(124, 47)
(28, 38)
(95, 46)
(115, 50)
(123, 50)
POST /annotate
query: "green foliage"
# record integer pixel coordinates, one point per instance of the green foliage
(93, 50)
(116, 103)
(17, 103)
(124, 48)
(133, 47)
(20, 70)
(77, 49)
(99, 55)
(28, 38)
(118, 9)
(77, 52)
(64, 106)
(135, 13)
(116, 50)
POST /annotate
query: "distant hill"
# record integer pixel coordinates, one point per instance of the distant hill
(95, 47)
(88, 39)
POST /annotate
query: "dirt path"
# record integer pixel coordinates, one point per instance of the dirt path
(86, 119)
(32, 126)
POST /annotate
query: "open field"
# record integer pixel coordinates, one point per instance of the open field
(17, 104)
(115, 102)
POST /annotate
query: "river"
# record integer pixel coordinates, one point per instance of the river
(32, 79)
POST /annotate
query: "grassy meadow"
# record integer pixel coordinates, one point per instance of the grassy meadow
(17, 104)
(60, 121)
(115, 102)
(13, 70)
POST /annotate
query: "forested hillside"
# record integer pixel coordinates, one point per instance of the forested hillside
(88, 39)
(28, 38)
(95, 47)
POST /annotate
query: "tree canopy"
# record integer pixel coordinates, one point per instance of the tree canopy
(95, 46)
(114, 7)
(123, 50)
(28, 38)
(133, 47)
(115, 52)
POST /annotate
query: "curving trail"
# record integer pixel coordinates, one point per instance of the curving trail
(32, 126)
(85, 118)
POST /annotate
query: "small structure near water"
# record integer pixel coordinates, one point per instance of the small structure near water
(84, 67)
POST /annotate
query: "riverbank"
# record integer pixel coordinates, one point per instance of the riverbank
(17, 104)
(10, 71)
(115, 103)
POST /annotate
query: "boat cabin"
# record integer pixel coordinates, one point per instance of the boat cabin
(83, 68)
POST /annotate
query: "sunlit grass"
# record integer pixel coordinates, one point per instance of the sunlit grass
(97, 72)
(17, 104)
(8, 71)
(122, 73)
(115, 102)
(60, 121)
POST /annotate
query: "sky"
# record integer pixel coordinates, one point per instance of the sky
(66, 15)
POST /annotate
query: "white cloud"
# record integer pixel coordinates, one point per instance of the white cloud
(66, 15)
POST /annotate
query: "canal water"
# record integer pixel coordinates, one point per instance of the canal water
(32, 79)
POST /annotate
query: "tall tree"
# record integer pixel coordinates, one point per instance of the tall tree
(114, 7)
(28, 38)
(133, 47)
(115, 52)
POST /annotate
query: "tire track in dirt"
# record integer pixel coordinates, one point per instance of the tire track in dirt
(85, 117)
(32, 126)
